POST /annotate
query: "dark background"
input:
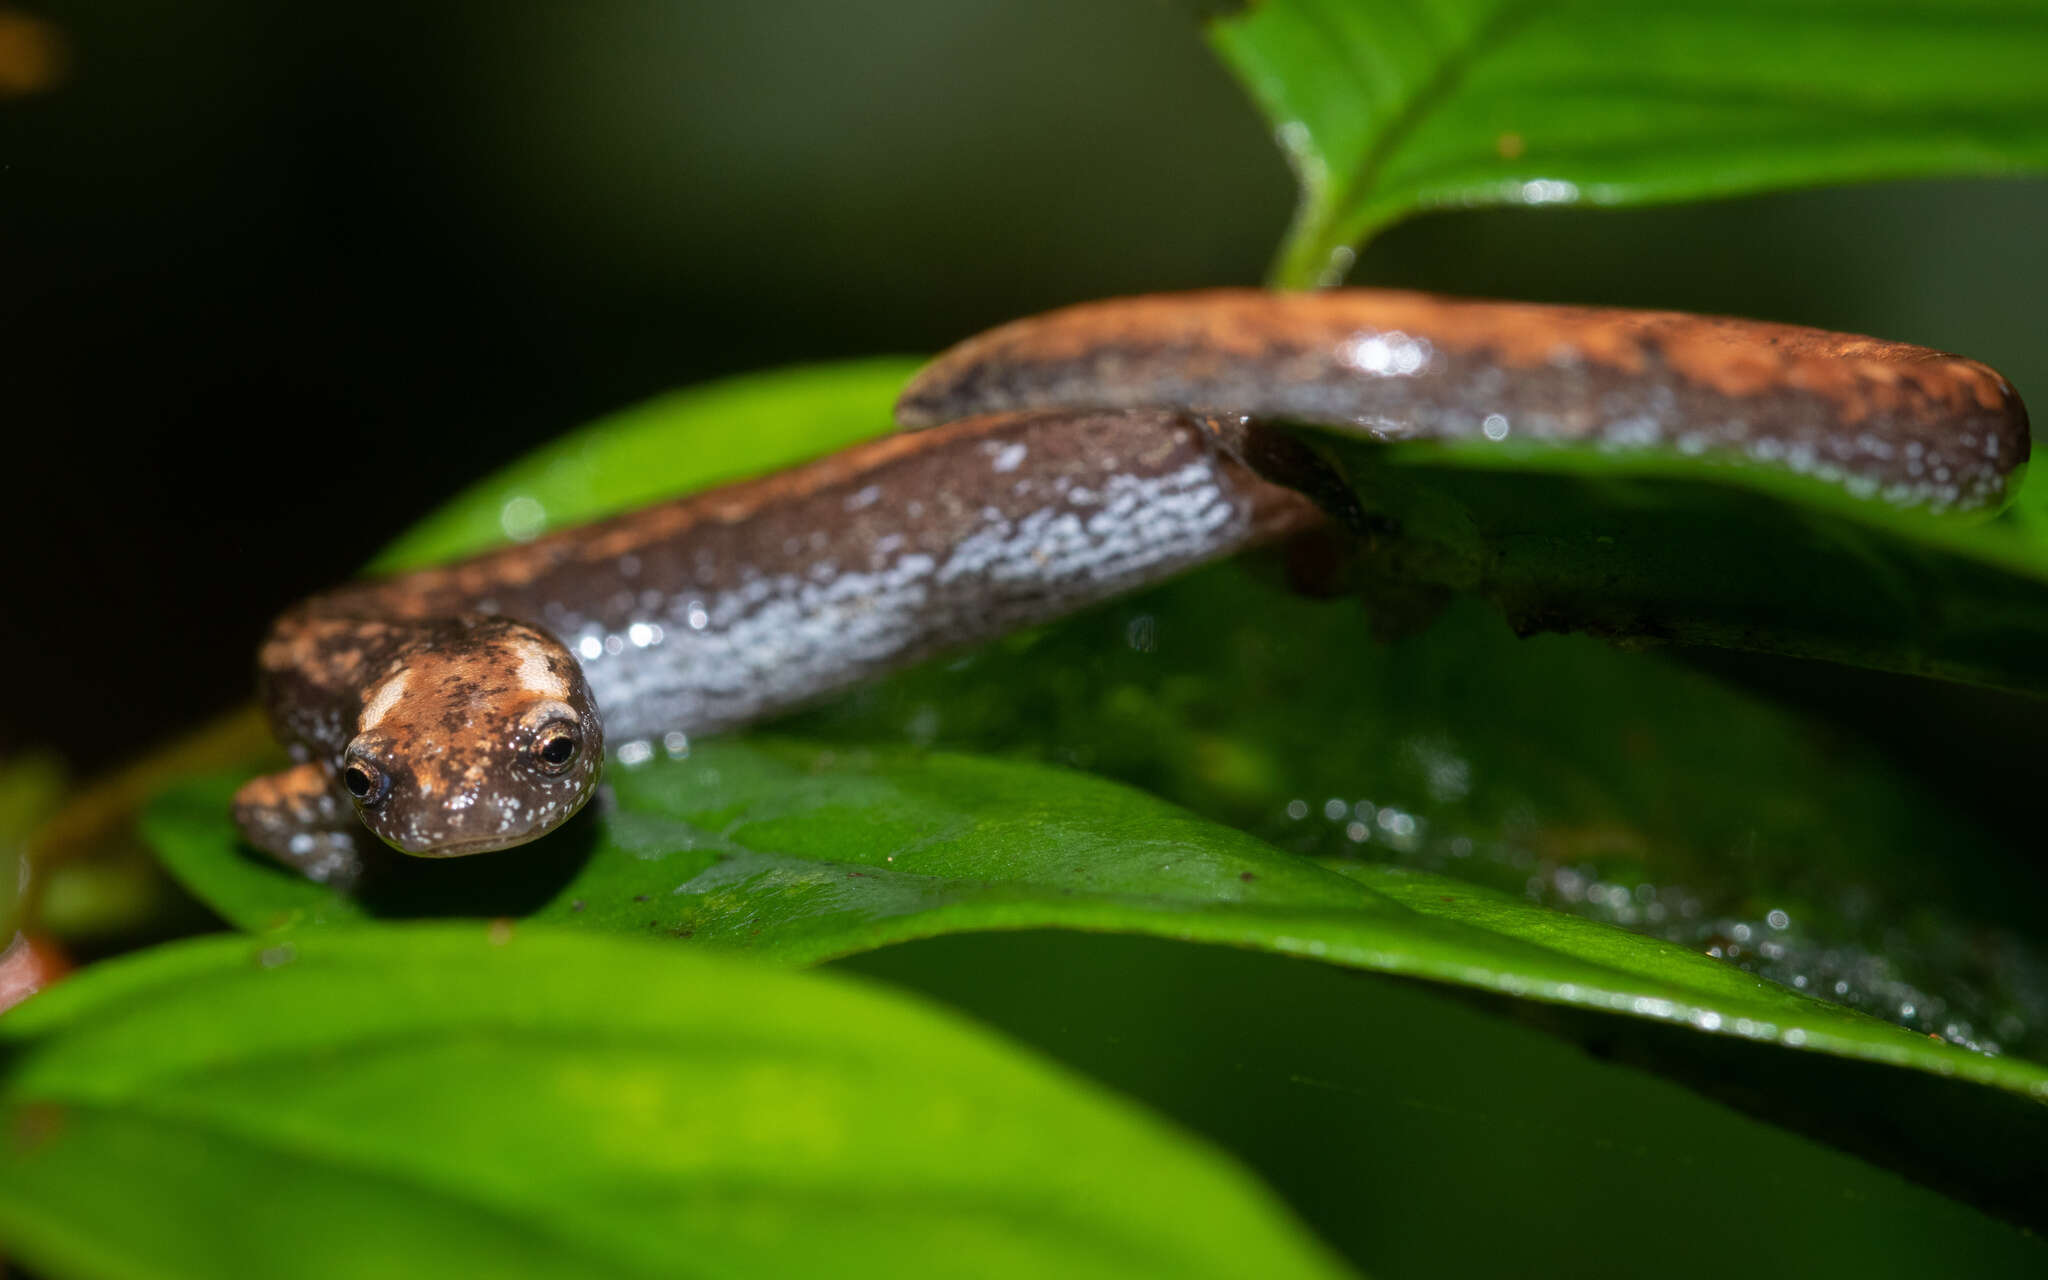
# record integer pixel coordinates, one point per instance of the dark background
(279, 278)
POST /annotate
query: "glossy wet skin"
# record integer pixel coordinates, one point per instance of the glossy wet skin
(424, 705)
(440, 737)
(1069, 458)
(1905, 424)
(480, 743)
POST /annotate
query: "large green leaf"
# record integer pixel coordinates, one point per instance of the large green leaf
(1424, 1137)
(801, 853)
(1387, 107)
(1884, 853)
(453, 1100)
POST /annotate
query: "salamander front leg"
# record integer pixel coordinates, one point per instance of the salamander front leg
(298, 818)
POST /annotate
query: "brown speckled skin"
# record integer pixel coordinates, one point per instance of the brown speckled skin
(1914, 426)
(717, 609)
(303, 818)
(455, 741)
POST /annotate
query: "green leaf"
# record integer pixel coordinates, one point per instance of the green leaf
(1386, 108)
(1666, 547)
(514, 1102)
(31, 787)
(1575, 1163)
(686, 440)
(800, 853)
(1879, 844)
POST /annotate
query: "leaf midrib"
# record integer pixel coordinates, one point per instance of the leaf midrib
(1409, 113)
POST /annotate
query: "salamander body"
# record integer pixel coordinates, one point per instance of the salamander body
(1063, 460)
(425, 708)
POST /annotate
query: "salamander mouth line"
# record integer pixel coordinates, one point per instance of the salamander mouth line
(486, 844)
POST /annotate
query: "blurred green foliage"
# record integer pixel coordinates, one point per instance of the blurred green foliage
(229, 1106)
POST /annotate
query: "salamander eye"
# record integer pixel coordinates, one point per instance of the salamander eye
(555, 745)
(366, 782)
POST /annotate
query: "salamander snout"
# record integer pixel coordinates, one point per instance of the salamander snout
(486, 739)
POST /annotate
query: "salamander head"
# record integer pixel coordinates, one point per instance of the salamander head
(484, 738)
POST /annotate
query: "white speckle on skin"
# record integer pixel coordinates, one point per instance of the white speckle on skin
(769, 639)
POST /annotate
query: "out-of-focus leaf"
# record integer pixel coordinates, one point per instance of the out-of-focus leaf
(30, 787)
(85, 873)
(1395, 1115)
(1387, 107)
(452, 1100)
(674, 444)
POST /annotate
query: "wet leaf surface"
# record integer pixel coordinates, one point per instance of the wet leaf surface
(801, 853)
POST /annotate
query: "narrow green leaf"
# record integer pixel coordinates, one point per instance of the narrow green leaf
(673, 444)
(1387, 107)
(450, 1100)
(799, 853)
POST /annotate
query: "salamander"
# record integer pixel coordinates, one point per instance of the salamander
(1055, 462)
(466, 708)
(1899, 423)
